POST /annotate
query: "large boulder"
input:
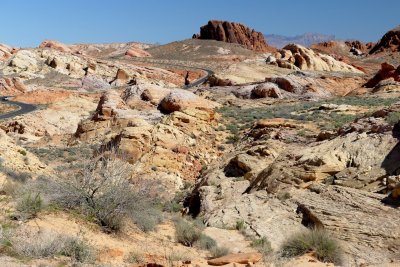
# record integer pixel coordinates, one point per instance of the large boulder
(231, 32)
(179, 99)
(109, 106)
(94, 83)
(267, 90)
(295, 56)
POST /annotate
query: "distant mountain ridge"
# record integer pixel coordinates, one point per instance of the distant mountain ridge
(306, 39)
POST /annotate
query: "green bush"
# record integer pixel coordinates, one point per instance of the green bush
(393, 118)
(45, 244)
(134, 257)
(77, 249)
(29, 205)
(240, 225)
(305, 111)
(262, 245)
(217, 252)
(103, 193)
(206, 242)
(318, 241)
(22, 152)
(147, 216)
(187, 233)
(20, 177)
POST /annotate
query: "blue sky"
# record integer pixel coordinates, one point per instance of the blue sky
(26, 23)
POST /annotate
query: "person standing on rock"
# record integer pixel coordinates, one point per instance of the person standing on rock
(187, 82)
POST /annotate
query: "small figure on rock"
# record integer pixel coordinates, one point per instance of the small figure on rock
(187, 82)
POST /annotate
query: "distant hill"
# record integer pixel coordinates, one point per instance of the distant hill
(306, 39)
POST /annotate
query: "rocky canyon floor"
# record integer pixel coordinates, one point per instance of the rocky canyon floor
(279, 157)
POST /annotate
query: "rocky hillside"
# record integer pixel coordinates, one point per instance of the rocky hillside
(232, 32)
(390, 42)
(282, 158)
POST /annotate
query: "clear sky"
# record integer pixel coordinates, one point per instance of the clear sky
(26, 23)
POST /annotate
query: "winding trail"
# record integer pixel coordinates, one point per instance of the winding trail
(23, 108)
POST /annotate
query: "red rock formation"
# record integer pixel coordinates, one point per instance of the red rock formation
(363, 47)
(137, 52)
(6, 52)
(390, 42)
(387, 71)
(55, 45)
(231, 32)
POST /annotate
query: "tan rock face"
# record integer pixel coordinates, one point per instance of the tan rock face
(179, 100)
(18, 159)
(267, 90)
(231, 32)
(296, 56)
(169, 148)
(60, 117)
(24, 60)
(110, 105)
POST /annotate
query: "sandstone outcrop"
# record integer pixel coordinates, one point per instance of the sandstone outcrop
(231, 32)
(6, 52)
(390, 42)
(295, 56)
(24, 61)
(179, 100)
(362, 47)
(12, 86)
(387, 71)
(137, 52)
(18, 159)
(52, 44)
(267, 90)
(242, 258)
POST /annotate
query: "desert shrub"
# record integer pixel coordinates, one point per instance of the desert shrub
(134, 257)
(393, 118)
(262, 245)
(173, 206)
(299, 111)
(20, 177)
(206, 242)
(173, 256)
(282, 196)
(77, 249)
(318, 241)
(217, 252)
(186, 232)
(22, 152)
(240, 225)
(47, 244)
(29, 205)
(147, 216)
(102, 192)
